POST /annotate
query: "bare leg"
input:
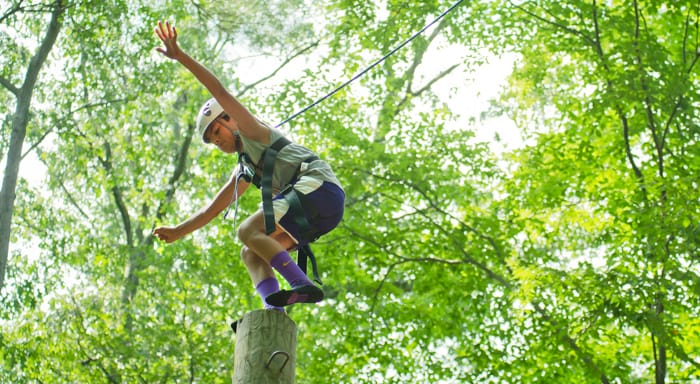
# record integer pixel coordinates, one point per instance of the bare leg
(272, 250)
(252, 234)
(258, 269)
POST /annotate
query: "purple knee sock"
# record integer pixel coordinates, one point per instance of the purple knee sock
(267, 287)
(291, 272)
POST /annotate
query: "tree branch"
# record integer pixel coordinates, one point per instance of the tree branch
(420, 53)
(696, 57)
(5, 82)
(571, 343)
(555, 23)
(449, 233)
(284, 63)
(651, 121)
(434, 80)
(117, 194)
(180, 165)
(620, 111)
(16, 8)
(628, 150)
(435, 206)
(47, 132)
(112, 378)
(71, 200)
(383, 248)
(425, 88)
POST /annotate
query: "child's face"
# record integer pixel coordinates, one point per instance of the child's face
(220, 133)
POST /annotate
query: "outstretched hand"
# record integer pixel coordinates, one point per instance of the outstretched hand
(168, 35)
(167, 234)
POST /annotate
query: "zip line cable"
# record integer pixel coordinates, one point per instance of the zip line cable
(357, 76)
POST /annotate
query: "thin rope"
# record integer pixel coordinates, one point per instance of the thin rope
(371, 66)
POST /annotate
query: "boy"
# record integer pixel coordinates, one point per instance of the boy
(308, 198)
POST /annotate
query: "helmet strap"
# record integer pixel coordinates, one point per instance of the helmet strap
(237, 137)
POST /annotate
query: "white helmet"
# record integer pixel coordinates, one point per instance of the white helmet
(209, 112)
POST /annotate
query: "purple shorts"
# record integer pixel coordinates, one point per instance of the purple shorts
(327, 198)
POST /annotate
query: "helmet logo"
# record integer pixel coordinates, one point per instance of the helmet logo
(207, 111)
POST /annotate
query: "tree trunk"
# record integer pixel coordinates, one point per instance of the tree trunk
(19, 132)
(265, 348)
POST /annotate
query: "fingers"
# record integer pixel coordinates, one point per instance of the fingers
(166, 31)
(167, 239)
(159, 30)
(168, 36)
(167, 234)
(161, 234)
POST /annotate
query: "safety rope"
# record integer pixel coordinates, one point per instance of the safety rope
(357, 76)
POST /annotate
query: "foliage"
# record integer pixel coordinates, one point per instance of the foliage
(571, 259)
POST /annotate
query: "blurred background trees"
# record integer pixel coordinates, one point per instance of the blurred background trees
(566, 254)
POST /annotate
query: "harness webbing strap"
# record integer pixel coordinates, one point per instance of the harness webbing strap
(266, 182)
(307, 232)
(304, 253)
(297, 208)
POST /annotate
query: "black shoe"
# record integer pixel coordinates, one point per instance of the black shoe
(234, 326)
(302, 294)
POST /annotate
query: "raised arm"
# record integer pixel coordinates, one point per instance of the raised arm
(248, 125)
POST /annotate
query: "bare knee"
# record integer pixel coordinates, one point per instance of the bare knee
(244, 253)
(252, 234)
(248, 256)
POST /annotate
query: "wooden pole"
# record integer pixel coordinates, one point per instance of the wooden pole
(265, 350)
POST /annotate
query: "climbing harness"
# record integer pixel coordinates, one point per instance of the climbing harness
(299, 206)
